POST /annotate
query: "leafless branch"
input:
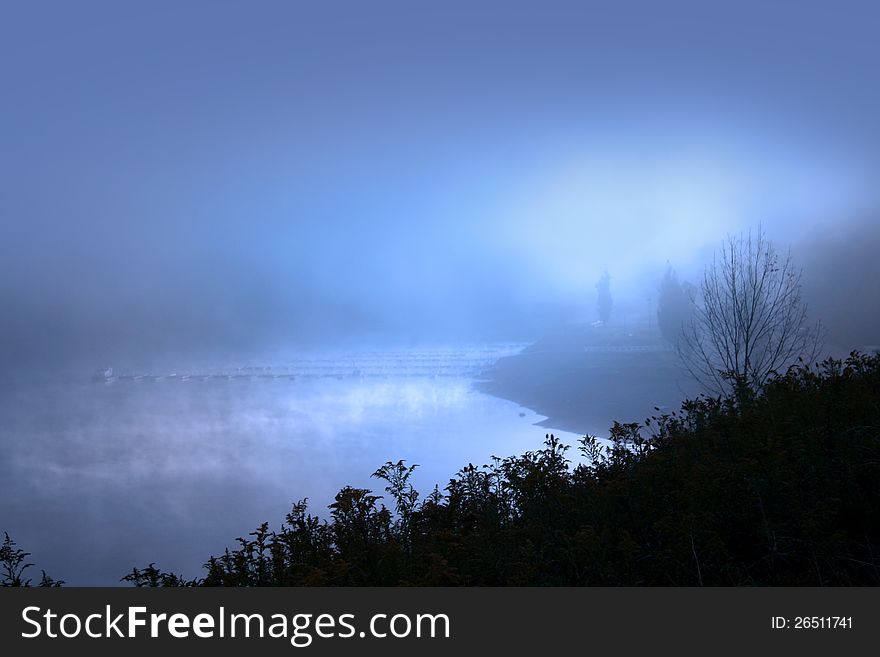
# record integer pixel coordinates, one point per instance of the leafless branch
(749, 320)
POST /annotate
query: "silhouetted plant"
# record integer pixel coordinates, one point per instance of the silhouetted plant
(749, 321)
(153, 577)
(674, 306)
(13, 562)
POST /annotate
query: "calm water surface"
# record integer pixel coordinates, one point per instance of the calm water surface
(102, 472)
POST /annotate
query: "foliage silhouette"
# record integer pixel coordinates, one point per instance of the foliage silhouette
(674, 305)
(749, 320)
(778, 487)
(775, 488)
(13, 563)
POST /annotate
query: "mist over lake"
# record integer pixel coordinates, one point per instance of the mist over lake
(103, 475)
(251, 251)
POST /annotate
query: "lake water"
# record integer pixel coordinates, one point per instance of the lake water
(102, 473)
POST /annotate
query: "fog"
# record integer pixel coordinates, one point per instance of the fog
(204, 186)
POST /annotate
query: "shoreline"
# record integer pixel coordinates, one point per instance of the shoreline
(584, 379)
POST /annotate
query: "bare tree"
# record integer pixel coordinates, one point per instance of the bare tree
(749, 319)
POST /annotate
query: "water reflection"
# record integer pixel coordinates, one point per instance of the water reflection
(99, 477)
